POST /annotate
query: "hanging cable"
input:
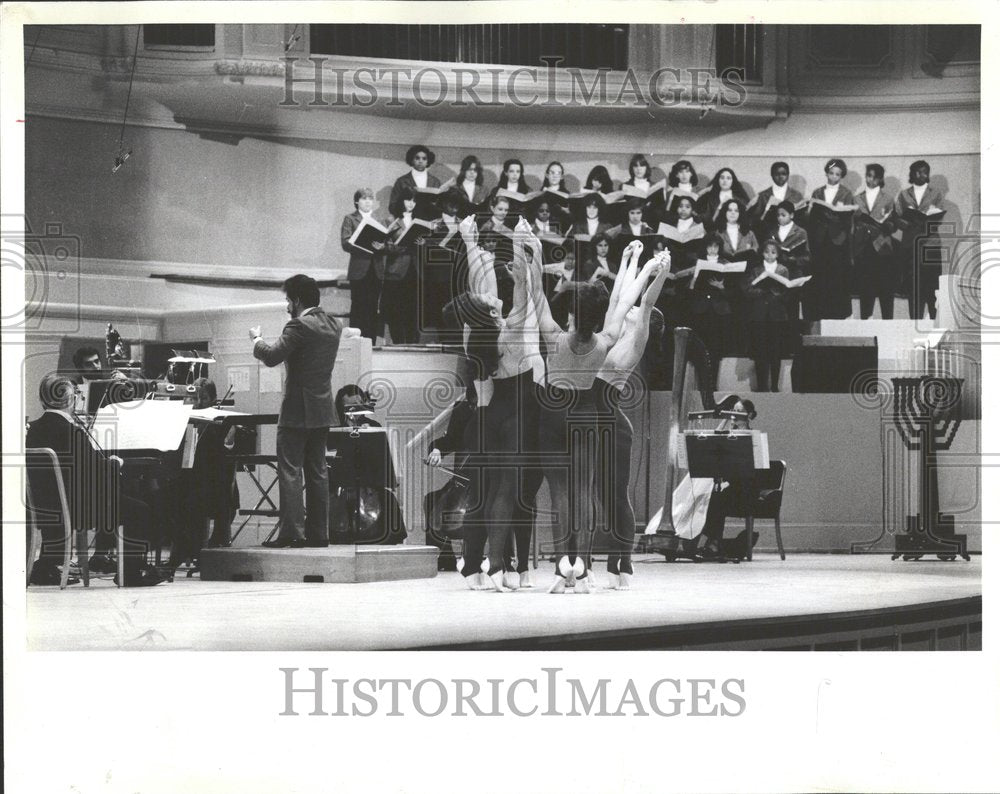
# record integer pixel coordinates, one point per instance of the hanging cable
(38, 35)
(121, 158)
(706, 106)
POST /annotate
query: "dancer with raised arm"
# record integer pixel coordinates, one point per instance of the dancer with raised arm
(495, 347)
(568, 414)
(615, 459)
(525, 390)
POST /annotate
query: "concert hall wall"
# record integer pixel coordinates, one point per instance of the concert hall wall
(218, 207)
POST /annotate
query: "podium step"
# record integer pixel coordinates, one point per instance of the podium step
(330, 565)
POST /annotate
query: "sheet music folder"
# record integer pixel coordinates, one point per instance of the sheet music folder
(360, 455)
(727, 455)
(142, 425)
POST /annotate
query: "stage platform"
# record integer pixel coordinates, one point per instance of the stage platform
(834, 602)
(329, 565)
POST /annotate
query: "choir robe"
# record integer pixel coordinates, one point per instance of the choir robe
(474, 205)
(876, 271)
(920, 248)
(828, 295)
(764, 219)
(425, 208)
(708, 206)
(793, 251)
(684, 254)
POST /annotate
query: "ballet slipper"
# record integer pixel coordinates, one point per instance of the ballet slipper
(471, 582)
(613, 579)
(512, 580)
(558, 585)
(588, 584)
(495, 581)
(624, 581)
(526, 579)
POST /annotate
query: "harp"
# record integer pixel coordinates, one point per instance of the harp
(690, 393)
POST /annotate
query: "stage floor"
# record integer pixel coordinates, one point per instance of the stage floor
(672, 605)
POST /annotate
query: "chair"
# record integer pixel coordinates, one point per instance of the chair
(769, 485)
(42, 462)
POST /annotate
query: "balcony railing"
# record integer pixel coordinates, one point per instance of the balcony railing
(581, 46)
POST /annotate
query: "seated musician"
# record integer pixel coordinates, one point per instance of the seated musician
(452, 442)
(89, 475)
(206, 491)
(354, 407)
(379, 513)
(88, 364)
(726, 497)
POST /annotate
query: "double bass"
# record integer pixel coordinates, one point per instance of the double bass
(363, 506)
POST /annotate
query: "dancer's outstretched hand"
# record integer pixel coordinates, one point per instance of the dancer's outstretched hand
(467, 225)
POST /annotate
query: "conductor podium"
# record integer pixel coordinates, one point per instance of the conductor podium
(364, 515)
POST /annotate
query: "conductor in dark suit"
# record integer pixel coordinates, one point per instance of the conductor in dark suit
(308, 347)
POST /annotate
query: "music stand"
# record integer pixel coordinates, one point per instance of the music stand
(729, 455)
(359, 456)
(109, 391)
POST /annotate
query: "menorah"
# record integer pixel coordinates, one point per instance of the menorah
(927, 413)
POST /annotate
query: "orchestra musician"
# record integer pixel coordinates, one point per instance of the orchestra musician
(726, 497)
(451, 443)
(93, 488)
(207, 491)
(87, 361)
(381, 520)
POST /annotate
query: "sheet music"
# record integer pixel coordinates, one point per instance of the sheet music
(143, 424)
(211, 413)
(761, 454)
